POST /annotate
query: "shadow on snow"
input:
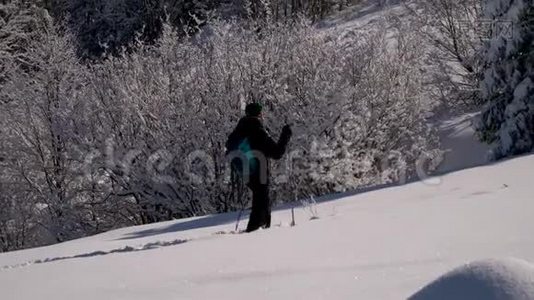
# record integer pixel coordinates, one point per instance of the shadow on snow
(229, 218)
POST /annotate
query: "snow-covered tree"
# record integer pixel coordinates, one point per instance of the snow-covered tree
(450, 30)
(507, 119)
(139, 136)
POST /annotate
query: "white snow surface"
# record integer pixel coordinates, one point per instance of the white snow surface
(385, 244)
(492, 279)
(461, 147)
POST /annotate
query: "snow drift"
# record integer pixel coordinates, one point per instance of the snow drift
(494, 279)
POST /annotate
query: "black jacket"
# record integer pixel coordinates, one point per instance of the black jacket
(252, 130)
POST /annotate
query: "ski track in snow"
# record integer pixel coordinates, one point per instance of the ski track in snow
(126, 249)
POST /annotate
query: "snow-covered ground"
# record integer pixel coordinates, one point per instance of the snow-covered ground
(385, 244)
(360, 16)
(461, 147)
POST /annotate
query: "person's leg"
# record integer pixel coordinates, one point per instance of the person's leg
(261, 212)
(265, 206)
(254, 221)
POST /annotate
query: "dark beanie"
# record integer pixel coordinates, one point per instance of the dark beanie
(253, 109)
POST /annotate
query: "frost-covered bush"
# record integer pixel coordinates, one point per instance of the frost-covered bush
(507, 119)
(44, 141)
(139, 137)
(17, 222)
(356, 109)
(366, 120)
(20, 25)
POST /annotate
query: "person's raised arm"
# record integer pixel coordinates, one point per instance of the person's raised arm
(269, 147)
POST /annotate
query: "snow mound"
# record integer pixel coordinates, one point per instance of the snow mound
(504, 279)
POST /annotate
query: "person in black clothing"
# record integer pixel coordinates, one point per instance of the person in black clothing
(250, 148)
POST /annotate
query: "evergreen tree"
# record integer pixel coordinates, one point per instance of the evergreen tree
(507, 119)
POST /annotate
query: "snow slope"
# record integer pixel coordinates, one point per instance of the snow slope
(385, 244)
(461, 147)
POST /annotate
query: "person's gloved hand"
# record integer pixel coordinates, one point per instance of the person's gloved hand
(286, 130)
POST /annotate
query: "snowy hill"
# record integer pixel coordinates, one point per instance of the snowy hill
(385, 244)
(464, 235)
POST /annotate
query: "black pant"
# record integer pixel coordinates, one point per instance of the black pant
(261, 207)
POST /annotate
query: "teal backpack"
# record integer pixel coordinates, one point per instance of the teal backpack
(247, 153)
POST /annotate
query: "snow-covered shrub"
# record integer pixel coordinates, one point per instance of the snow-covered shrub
(20, 25)
(17, 221)
(364, 125)
(139, 137)
(356, 110)
(507, 119)
(44, 138)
